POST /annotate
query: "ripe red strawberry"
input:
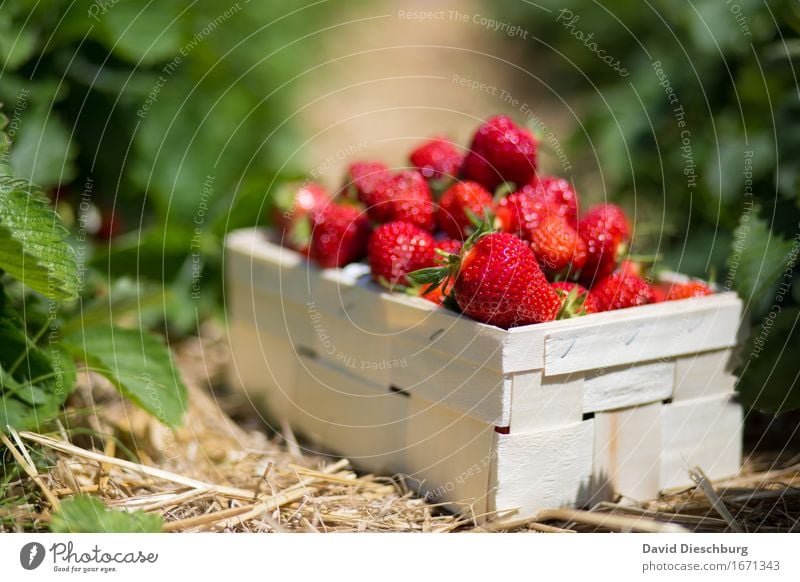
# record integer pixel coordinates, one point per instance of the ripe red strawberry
(576, 299)
(605, 230)
(499, 282)
(111, 224)
(631, 267)
(437, 294)
(293, 205)
(452, 216)
(559, 195)
(339, 235)
(688, 290)
(363, 178)
(437, 158)
(397, 248)
(501, 151)
(449, 245)
(621, 290)
(557, 246)
(659, 293)
(521, 213)
(405, 197)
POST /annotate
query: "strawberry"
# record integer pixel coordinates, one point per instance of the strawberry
(520, 213)
(449, 245)
(363, 178)
(557, 246)
(455, 205)
(605, 231)
(437, 158)
(688, 290)
(339, 235)
(660, 293)
(293, 206)
(111, 224)
(397, 248)
(437, 294)
(631, 267)
(621, 290)
(559, 195)
(497, 281)
(576, 299)
(501, 151)
(405, 197)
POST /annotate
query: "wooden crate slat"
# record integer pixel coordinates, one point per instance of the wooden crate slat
(544, 469)
(627, 449)
(454, 335)
(263, 367)
(343, 414)
(628, 385)
(704, 374)
(705, 432)
(272, 315)
(448, 455)
(461, 385)
(539, 403)
(637, 336)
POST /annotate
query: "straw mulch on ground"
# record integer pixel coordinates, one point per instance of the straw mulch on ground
(216, 474)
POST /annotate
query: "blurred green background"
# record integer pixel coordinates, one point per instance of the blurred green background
(164, 125)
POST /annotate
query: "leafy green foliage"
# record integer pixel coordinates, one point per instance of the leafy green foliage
(34, 381)
(758, 256)
(702, 125)
(86, 514)
(32, 246)
(178, 114)
(137, 363)
(771, 378)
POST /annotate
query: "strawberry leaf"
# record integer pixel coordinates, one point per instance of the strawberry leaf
(137, 363)
(32, 245)
(429, 275)
(86, 514)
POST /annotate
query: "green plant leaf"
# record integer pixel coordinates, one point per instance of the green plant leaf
(32, 246)
(34, 381)
(86, 514)
(758, 256)
(43, 151)
(770, 380)
(137, 363)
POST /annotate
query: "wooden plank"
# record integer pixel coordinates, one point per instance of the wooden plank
(704, 374)
(627, 450)
(264, 368)
(539, 403)
(643, 333)
(628, 385)
(458, 384)
(252, 259)
(448, 456)
(341, 413)
(274, 316)
(359, 337)
(705, 432)
(452, 334)
(543, 469)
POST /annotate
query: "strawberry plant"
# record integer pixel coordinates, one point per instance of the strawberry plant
(43, 337)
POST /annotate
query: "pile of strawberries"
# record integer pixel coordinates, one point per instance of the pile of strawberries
(480, 232)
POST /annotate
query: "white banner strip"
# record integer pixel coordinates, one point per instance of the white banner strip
(401, 557)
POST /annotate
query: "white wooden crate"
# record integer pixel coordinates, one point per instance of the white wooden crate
(480, 418)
